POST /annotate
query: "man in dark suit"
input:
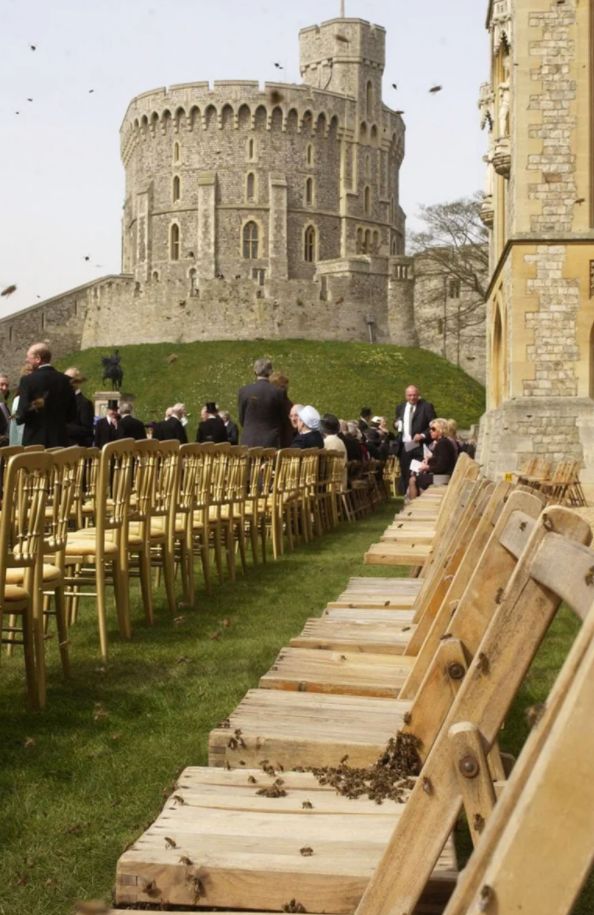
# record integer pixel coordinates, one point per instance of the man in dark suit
(413, 417)
(130, 427)
(80, 430)
(232, 430)
(46, 402)
(4, 411)
(261, 409)
(172, 426)
(108, 427)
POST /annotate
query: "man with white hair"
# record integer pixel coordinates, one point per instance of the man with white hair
(172, 426)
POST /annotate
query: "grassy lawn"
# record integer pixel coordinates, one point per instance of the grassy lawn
(81, 780)
(336, 377)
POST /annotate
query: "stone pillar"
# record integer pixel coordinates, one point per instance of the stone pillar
(277, 229)
(206, 257)
(401, 302)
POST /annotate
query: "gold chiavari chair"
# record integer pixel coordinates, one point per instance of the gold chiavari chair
(140, 513)
(22, 525)
(260, 467)
(284, 503)
(98, 555)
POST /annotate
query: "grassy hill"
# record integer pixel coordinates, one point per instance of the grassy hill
(334, 377)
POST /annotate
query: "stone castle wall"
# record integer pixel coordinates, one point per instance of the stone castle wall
(311, 170)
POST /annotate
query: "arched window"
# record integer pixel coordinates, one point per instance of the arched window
(250, 240)
(192, 277)
(310, 154)
(376, 241)
(174, 242)
(309, 245)
(359, 241)
(367, 165)
(368, 241)
(155, 276)
(309, 191)
(250, 186)
(369, 99)
(251, 149)
(367, 200)
(176, 151)
(176, 188)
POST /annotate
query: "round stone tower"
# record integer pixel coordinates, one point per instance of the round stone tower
(232, 181)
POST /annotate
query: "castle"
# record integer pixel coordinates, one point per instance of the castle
(258, 212)
(539, 206)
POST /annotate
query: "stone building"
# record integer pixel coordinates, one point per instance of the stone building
(255, 212)
(539, 205)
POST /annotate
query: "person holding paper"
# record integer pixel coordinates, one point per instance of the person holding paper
(413, 418)
(438, 467)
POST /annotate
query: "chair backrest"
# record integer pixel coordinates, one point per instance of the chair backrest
(538, 844)
(114, 483)
(166, 482)
(287, 472)
(22, 520)
(144, 468)
(65, 464)
(554, 566)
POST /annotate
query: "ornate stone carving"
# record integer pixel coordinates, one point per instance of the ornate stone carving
(501, 24)
(486, 104)
(502, 156)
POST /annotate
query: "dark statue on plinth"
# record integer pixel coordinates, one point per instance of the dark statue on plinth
(112, 370)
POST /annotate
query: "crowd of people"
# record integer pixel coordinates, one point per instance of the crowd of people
(50, 409)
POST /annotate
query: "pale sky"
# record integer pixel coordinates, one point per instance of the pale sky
(61, 179)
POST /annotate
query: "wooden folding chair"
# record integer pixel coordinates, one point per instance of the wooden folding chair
(244, 849)
(296, 727)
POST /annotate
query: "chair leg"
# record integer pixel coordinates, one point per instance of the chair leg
(101, 606)
(187, 560)
(168, 563)
(62, 629)
(39, 643)
(33, 692)
(230, 549)
(205, 559)
(121, 587)
(144, 561)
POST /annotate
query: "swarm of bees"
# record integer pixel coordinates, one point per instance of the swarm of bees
(389, 778)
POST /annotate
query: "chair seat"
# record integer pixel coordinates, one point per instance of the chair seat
(86, 546)
(15, 594)
(16, 576)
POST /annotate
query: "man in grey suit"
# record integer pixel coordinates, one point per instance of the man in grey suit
(261, 409)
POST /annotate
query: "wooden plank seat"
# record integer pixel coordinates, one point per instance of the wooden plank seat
(362, 632)
(267, 729)
(413, 548)
(340, 670)
(247, 850)
(244, 850)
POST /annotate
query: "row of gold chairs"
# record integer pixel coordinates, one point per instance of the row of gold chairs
(77, 522)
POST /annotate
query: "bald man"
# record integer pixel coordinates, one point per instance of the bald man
(46, 402)
(413, 417)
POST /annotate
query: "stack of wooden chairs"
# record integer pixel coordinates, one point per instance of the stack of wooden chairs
(335, 786)
(79, 522)
(559, 482)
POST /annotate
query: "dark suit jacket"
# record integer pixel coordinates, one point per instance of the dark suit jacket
(4, 424)
(105, 432)
(80, 430)
(232, 433)
(170, 428)
(46, 423)
(422, 417)
(311, 439)
(132, 428)
(212, 429)
(261, 412)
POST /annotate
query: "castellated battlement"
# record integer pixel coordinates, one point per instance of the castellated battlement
(254, 210)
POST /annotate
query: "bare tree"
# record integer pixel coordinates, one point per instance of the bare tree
(453, 254)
